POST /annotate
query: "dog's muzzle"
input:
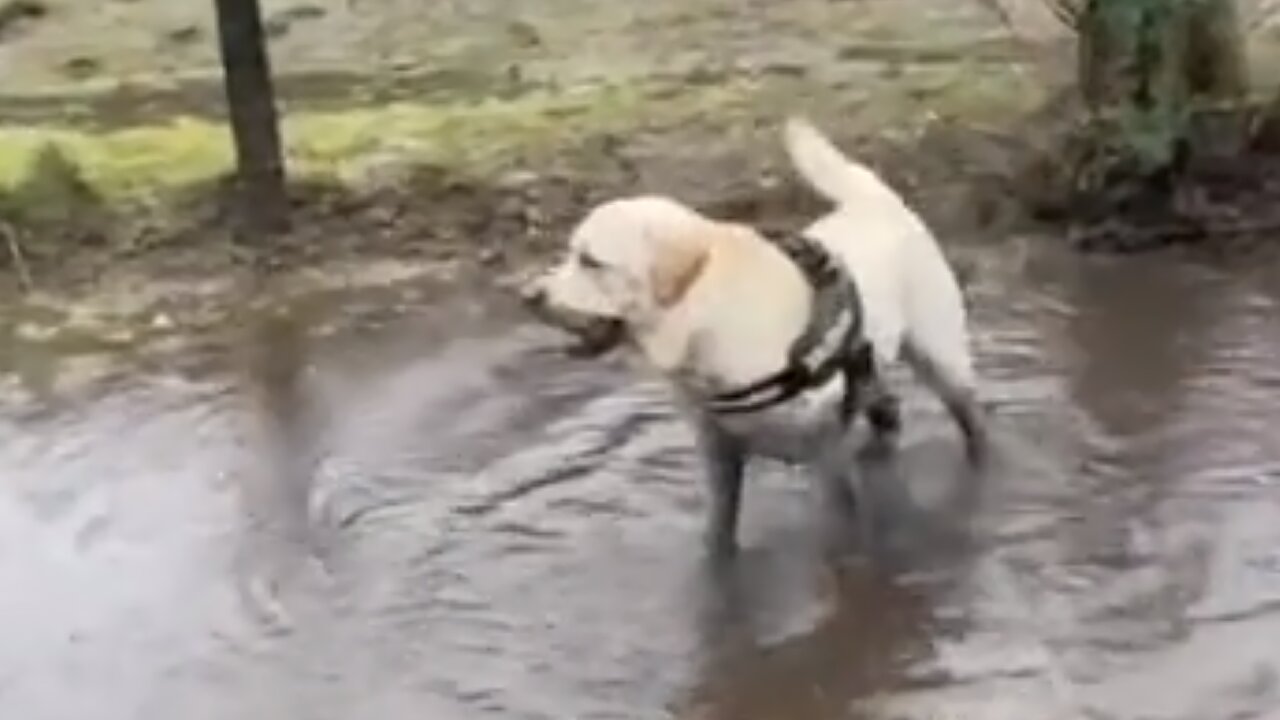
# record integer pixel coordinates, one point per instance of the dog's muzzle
(596, 334)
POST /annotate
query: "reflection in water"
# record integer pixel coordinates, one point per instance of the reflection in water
(1144, 327)
(862, 627)
(426, 524)
(275, 490)
(1145, 550)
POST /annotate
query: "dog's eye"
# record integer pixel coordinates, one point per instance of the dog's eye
(589, 261)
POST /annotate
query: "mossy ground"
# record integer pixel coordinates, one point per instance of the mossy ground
(142, 161)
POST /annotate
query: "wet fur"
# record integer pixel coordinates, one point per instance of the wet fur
(713, 305)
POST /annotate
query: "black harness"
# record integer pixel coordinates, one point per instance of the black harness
(832, 342)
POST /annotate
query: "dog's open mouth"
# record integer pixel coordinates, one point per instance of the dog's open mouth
(596, 337)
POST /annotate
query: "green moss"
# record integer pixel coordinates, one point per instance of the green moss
(120, 163)
(137, 162)
(51, 190)
(141, 163)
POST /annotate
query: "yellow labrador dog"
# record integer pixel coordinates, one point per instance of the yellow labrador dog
(774, 345)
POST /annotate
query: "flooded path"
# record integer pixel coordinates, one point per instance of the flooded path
(461, 525)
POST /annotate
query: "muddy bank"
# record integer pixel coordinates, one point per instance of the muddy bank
(396, 218)
(96, 277)
(111, 284)
(471, 152)
(464, 169)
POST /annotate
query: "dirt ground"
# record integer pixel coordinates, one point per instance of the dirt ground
(74, 44)
(704, 88)
(928, 93)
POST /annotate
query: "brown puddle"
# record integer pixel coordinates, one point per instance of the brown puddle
(455, 523)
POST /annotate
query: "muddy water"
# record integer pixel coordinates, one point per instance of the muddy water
(446, 521)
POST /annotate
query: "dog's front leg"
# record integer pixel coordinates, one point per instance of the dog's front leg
(724, 461)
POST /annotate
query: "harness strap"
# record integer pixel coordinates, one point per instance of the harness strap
(831, 342)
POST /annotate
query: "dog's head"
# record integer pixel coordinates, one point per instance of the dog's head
(628, 263)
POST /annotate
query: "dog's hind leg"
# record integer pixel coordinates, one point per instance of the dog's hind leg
(954, 385)
(881, 407)
(871, 394)
(724, 461)
(884, 414)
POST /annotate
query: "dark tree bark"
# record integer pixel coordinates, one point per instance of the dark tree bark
(263, 199)
(1215, 61)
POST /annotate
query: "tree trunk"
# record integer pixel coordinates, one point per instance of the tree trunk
(1215, 61)
(263, 199)
(1145, 65)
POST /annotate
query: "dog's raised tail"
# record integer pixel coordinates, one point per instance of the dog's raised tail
(832, 173)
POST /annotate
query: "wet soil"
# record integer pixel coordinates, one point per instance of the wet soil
(915, 90)
(194, 265)
(439, 517)
(72, 46)
(155, 59)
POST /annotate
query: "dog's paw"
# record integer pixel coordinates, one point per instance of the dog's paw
(885, 416)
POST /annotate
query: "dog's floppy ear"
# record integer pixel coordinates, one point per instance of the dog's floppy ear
(675, 269)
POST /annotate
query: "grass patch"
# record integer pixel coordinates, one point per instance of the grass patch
(141, 162)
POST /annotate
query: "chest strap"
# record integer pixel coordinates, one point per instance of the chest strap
(832, 341)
